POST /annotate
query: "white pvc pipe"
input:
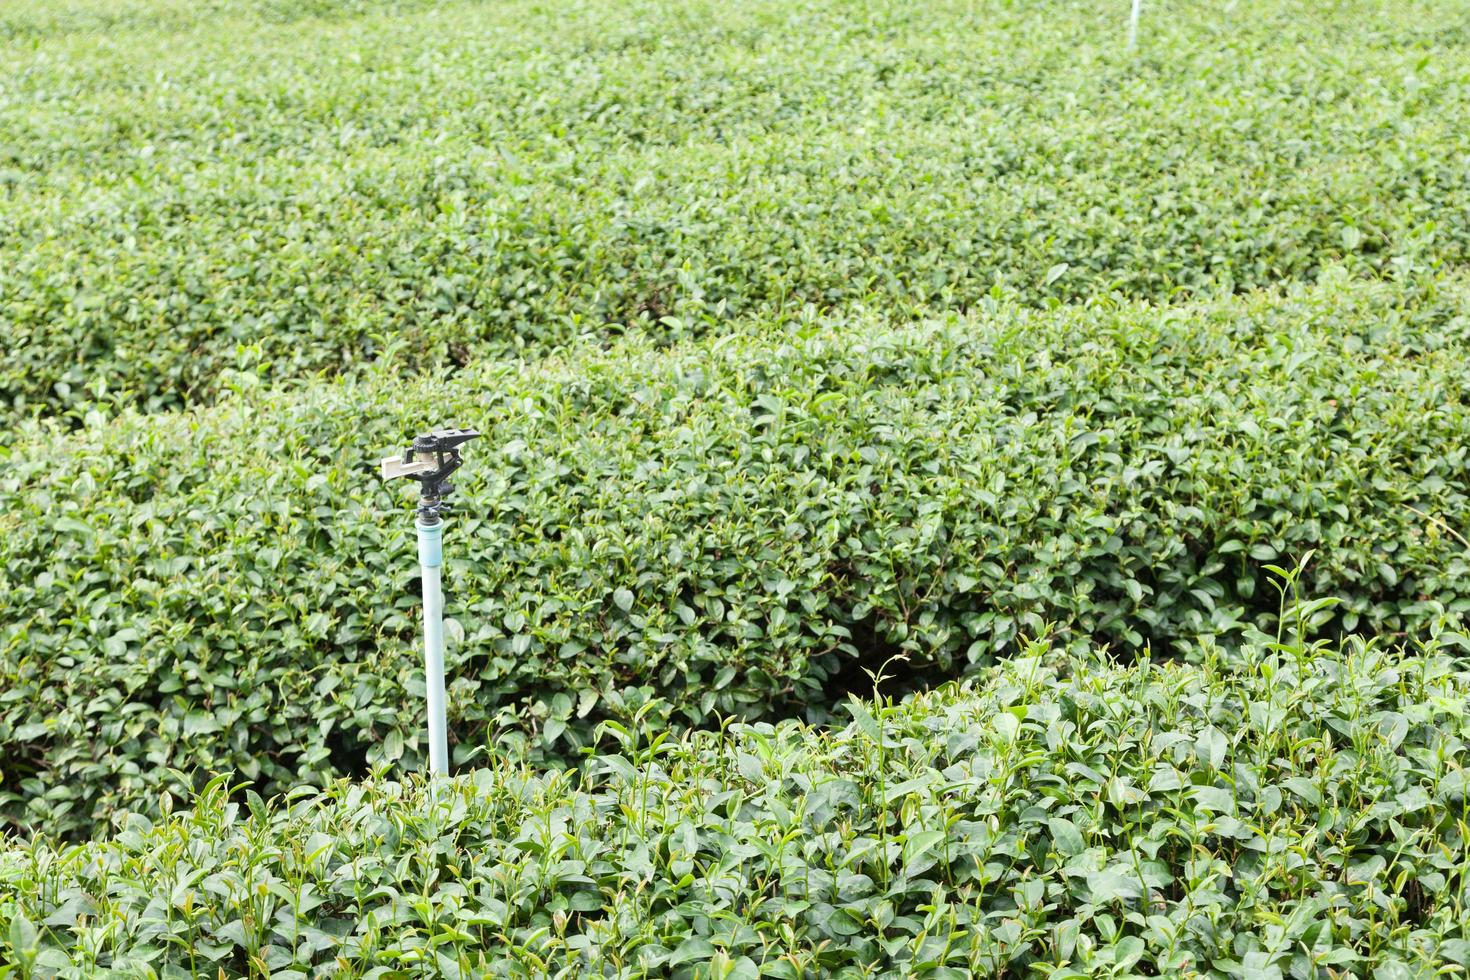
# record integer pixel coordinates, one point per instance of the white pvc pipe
(431, 557)
(1133, 24)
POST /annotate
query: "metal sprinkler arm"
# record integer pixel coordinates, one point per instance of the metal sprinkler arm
(429, 462)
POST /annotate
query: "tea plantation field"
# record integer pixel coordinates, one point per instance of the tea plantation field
(289, 187)
(958, 496)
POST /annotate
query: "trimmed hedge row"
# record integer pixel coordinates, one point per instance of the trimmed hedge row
(223, 194)
(32, 21)
(731, 524)
(1294, 810)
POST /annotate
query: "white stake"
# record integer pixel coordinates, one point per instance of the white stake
(431, 557)
(1133, 24)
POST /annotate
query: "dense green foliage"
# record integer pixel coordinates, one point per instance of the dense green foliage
(729, 523)
(294, 187)
(804, 337)
(1292, 810)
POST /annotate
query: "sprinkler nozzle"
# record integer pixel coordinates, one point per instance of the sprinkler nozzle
(429, 461)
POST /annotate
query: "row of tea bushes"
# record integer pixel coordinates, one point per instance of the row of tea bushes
(1293, 810)
(28, 23)
(735, 524)
(215, 193)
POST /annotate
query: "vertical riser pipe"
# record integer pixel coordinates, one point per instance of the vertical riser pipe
(431, 558)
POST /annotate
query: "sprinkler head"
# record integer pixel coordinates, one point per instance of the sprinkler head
(429, 461)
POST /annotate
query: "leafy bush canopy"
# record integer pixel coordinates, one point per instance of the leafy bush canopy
(732, 525)
(804, 337)
(1293, 810)
(192, 189)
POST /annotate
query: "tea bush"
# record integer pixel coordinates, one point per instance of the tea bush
(733, 524)
(195, 189)
(1292, 810)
